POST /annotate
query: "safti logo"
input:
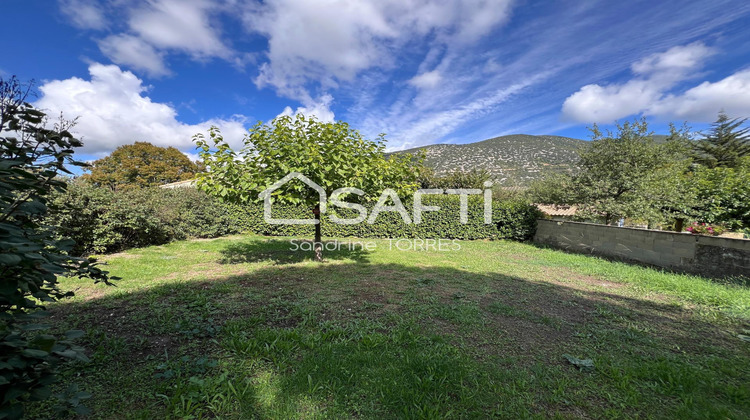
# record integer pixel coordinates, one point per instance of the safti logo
(397, 206)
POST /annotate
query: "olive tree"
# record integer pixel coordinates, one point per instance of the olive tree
(331, 154)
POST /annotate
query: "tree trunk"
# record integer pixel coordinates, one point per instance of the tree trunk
(318, 244)
(679, 224)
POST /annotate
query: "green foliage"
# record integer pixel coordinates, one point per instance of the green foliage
(101, 221)
(725, 144)
(510, 220)
(32, 258)
(553, 189)
(141, 165)
(725, 194)
(626, 175)
(332, 155)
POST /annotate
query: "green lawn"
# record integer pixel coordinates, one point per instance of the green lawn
(241, 327)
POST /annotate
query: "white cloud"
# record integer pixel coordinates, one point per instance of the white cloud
(320, 109)
(182, 25)
(426, 80)
(329, 41)
(647, 93)
(595, 103)
(679, 59)
(322, 41)
(159, 27)
(134, 52)
(703, 102)
(113, 110)
(84, 14)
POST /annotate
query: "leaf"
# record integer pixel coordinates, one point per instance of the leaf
(40, 394)
(9, 259)
(37, 354)
(584, 365)
(744, 337)
(13, 411)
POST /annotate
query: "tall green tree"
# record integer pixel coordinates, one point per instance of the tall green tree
(333, 155)
(32, 257)
(626, 174)
(141, 165)
(725, 144)
(724, 194)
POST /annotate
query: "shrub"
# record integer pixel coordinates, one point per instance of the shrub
(511, 220)
(101, 221)
(725, 195)
(32, 259)
(705, 229)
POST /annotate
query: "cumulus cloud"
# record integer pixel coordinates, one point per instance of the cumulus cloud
(649, 92)
(84, 14)
(113, 110)
(320, 109)
(702, 102)
(595, 103)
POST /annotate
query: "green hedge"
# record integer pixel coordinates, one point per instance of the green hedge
(103, 221)
(511, 220)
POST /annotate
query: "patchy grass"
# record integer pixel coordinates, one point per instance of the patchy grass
(241, 327)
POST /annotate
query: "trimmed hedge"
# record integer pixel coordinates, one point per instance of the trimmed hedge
(102, 221)
(511, 220)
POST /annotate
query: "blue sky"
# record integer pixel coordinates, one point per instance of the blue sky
(420, 71)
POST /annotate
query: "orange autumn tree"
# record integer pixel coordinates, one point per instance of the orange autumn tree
(141, 165)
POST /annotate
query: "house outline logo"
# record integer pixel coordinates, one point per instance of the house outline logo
(266, 196)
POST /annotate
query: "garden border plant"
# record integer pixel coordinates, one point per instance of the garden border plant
(32, 258)
(101, 221)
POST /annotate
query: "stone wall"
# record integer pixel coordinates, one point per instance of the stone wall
(706, 255)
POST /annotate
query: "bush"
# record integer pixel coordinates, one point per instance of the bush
(511, 220)
(705, 229)
(32, 259)
(102, 221)
(725, 195)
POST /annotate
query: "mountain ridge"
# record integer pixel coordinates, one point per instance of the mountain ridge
(511, 159)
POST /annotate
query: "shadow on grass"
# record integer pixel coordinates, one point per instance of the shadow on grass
(389, 340)
(290, 251)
